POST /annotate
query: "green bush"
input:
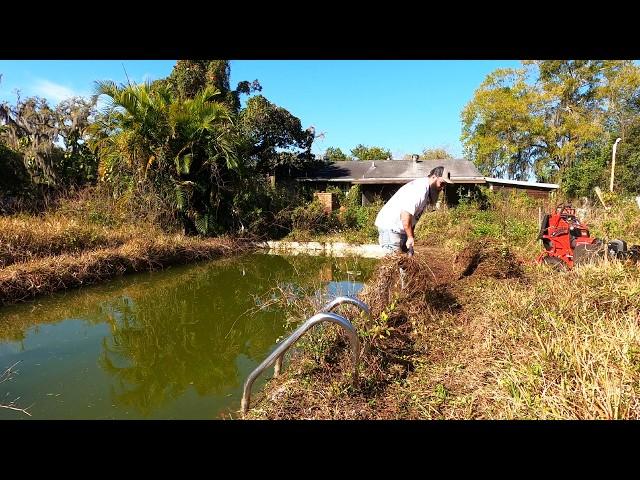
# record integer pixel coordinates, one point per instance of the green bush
(260, 209)
(312, 217)
(339, 194)
(358, 220)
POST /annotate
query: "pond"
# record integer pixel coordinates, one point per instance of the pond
(174, 344)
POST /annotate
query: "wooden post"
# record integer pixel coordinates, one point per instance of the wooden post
(613, 164)
(539, 218)
(599, 193)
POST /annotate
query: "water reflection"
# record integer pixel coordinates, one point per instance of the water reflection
(168, 343)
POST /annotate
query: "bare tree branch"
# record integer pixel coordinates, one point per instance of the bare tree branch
(5, 376)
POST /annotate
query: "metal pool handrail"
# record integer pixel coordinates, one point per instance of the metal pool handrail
(324, 316)
(340, 300)
(327, 308)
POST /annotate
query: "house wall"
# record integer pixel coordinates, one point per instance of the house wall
(371, 192)
(328, 200)
(532, 192)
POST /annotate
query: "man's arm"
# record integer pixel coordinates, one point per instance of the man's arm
(407, 223)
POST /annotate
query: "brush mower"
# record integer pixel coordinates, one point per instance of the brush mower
(567, 242)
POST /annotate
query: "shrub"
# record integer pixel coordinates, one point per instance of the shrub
(312, 217)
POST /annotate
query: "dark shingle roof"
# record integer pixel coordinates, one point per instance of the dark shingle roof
(388, 171)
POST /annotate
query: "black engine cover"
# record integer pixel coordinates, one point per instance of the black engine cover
(617, 247)
(585, 253)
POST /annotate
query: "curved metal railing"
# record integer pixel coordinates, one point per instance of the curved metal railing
(351, 300)
(327, 308)
(324, 316)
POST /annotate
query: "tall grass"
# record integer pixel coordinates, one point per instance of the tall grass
(23, 237)
(513, 219)
(79, 222)
(352, 222)
(22, 281)
(566, 345)
(537, 345)
(86, 238)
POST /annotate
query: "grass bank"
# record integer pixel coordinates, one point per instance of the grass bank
(478, 332)
(87, 239)
(22, 281)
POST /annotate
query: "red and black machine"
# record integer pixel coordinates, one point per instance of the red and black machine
(567, 242)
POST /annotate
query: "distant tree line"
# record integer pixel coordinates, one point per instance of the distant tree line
(361, 152)
(557, 121)
(182, 145)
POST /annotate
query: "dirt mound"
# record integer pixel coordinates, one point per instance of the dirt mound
(488, 258)
(400, 276)
(417, 316)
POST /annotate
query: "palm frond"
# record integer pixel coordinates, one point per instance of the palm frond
(180, 197)
(202, 224)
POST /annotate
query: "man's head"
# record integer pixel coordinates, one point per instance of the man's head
(439, 176)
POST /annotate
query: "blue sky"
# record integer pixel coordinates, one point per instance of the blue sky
(402, 105)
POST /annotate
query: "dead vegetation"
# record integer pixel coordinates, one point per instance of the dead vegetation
(477, 335)
(413, 301)
(21, 281)
(87, 237)
(24, 238)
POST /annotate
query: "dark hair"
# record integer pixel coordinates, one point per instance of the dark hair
(437, 171)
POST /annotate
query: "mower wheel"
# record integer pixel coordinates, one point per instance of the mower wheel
(555, 263)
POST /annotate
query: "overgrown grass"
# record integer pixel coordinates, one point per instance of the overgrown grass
(620, 220)
(25, 280)
(87, 238)
(25, 237)
(353, 224)
(567, 348)
(484, 333)
(511, 219)
(83, 221)
(556, 346)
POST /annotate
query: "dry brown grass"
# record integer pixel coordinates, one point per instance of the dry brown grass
(490, 338)
(567, 348)
(25, 280)
(87, 237)
(404, 307)
(24, 238)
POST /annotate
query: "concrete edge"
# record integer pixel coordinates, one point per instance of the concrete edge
(323, 248)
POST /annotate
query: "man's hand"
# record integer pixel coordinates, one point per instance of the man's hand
(407, 223)
(410, 241)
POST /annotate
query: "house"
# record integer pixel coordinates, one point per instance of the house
(533, 189)
(382, 178)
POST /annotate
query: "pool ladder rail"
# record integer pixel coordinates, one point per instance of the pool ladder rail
(325, 315)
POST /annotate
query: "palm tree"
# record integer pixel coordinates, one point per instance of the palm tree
(181, 149)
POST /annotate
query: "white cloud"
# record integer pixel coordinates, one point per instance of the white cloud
(53, 91)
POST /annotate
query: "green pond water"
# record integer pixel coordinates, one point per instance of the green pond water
(174, 344)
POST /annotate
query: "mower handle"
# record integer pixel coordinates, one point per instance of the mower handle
(566, 208)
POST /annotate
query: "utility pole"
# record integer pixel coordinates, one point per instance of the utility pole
(613, 164)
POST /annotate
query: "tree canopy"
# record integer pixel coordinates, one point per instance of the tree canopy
(553, 120)
(187, 142)
(435, 154)
(334, 154)
(50, 141)
(361, 152)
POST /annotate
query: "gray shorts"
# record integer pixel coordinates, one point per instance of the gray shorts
(392, 241)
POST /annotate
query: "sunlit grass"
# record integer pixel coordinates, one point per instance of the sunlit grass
(543, 345)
